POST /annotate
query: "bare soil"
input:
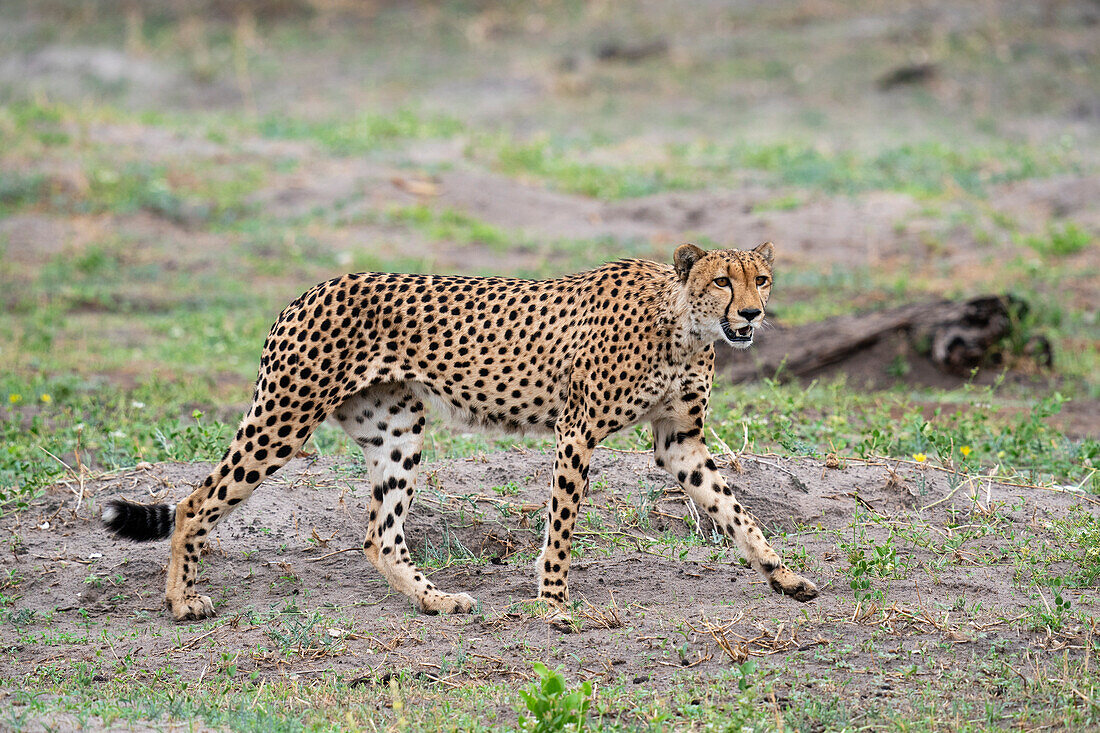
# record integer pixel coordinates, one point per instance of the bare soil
(653, 604)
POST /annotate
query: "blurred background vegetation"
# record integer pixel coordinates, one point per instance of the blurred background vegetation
(172, 173)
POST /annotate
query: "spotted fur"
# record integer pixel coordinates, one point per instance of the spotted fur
(581, 356)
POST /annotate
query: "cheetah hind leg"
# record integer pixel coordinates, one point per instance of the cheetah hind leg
(258, 451)
(387, 422)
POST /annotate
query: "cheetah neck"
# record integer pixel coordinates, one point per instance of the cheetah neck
(684, 339)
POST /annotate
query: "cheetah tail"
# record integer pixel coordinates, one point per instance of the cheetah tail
(139, 522)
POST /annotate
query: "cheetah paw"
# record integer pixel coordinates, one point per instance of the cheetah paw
(793, 585)
(448, 603)
(191, 608)
(561, 619)
(556, 614)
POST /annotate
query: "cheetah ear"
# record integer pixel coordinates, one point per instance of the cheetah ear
(767, 251)
(685, 258)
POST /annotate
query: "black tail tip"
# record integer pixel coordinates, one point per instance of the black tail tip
(139, 522)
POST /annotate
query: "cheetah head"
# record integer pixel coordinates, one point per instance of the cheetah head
(727, 290)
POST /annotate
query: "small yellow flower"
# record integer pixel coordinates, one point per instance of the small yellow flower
(13, 398)
(46, 398)
(965, 450)
(919, 457)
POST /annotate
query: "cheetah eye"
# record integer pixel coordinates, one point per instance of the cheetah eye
(761, 281)
(722, 282)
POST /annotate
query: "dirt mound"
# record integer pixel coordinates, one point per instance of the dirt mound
(656, 595)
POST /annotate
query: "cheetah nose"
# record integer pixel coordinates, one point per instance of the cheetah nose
(749, 313)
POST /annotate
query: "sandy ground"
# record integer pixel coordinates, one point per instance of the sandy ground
(294, 595)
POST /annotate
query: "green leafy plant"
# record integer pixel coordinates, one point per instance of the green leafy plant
(1060, 241)
(861, 574)
(745, 672)
(867, 559)
(552, 706)
(1052, 615)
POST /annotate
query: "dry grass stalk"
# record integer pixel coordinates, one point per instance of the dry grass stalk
(894, 480)
(765, 643)
(322, 541)
(601, 618)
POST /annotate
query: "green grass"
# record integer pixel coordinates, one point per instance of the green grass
(363, 133)
(104, 692)
(186, 191)
(555, 163)
(1060, 241)
(789, 202)
(52, 428)
(971, 436)
(450, 225)
(924, 170)
(332, 703)
(21, 190)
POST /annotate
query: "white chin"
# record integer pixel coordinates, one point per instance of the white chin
(738, 344)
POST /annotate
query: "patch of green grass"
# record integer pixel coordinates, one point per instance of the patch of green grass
(871, 560)
(922, 169)
(1054, 611)
(788, 202)
(301, 634)
(284, 251)
(21, 190)
(1071, 554)
(102, 178)
(364, 133)
(825, 418)
(450, 225)
(747, 696)
(35, 125)
(52, 427)
(555, 163)
(75, 693)
(42, 120)
(99, 277)
(200, 195)
(1061, 240)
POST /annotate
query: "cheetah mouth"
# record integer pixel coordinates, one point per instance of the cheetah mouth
(737, 336)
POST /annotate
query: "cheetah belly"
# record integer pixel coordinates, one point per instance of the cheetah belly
(494, 418)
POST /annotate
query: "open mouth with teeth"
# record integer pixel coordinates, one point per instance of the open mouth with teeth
(739, 335)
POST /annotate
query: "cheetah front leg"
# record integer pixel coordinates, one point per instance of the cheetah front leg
(679, 449)
(387, 422)
(574, 451)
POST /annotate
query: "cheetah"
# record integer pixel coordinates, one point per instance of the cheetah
(582, 357)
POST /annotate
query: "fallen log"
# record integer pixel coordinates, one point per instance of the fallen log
(955, 336)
